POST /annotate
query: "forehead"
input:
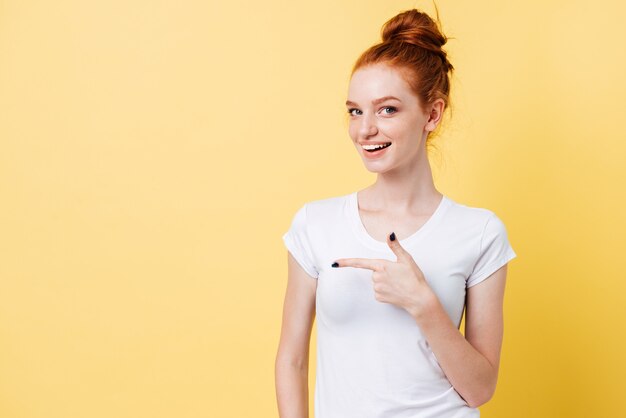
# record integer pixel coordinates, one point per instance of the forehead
(371, 82)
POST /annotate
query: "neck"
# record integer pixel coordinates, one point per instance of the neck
(410, 186)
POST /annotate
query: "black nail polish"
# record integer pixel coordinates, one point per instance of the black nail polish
(392, 236)
(335, 264)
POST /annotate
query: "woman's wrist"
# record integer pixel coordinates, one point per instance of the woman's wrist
(424, 305)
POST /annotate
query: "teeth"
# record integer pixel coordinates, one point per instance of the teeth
(373, 147)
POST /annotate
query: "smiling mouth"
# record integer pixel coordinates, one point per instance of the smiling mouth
(371, 148)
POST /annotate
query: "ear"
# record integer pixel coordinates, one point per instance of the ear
(435, 115)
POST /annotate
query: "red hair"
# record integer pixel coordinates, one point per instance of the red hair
(412, 43)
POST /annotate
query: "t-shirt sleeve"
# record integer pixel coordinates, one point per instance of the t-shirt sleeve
(297, 241)
(495, 251)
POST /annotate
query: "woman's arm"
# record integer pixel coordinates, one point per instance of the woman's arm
(470, 363)
(292, 359)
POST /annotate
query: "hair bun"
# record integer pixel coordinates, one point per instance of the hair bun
(418, 29)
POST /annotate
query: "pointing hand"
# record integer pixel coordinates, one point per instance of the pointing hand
(401, 283)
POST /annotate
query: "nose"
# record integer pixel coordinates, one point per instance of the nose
(368, 127)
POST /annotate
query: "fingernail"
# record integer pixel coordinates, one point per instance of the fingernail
(392, 236)
(335, 264)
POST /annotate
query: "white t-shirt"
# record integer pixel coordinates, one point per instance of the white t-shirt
(372, 359)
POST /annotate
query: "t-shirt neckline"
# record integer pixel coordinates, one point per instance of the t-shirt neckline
(367, 239)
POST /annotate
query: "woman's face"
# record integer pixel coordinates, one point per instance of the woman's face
(384, 110)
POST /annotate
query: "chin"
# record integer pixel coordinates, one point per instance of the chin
(376, 167)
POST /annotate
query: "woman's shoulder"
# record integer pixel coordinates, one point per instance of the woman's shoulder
(329, 201)
(466, 213)
(326, 208)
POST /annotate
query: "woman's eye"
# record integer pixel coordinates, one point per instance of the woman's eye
(393, 110)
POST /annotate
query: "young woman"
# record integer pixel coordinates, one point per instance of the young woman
(388, 270)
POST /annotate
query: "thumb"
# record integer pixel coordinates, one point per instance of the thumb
(398, 249)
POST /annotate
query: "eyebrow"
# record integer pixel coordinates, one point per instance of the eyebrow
(376, 101)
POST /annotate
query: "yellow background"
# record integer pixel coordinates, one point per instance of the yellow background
(152, 155)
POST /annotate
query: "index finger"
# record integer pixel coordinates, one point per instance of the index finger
(366, 263)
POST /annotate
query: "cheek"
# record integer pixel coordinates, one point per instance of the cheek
(392, 131)
(400, 130)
